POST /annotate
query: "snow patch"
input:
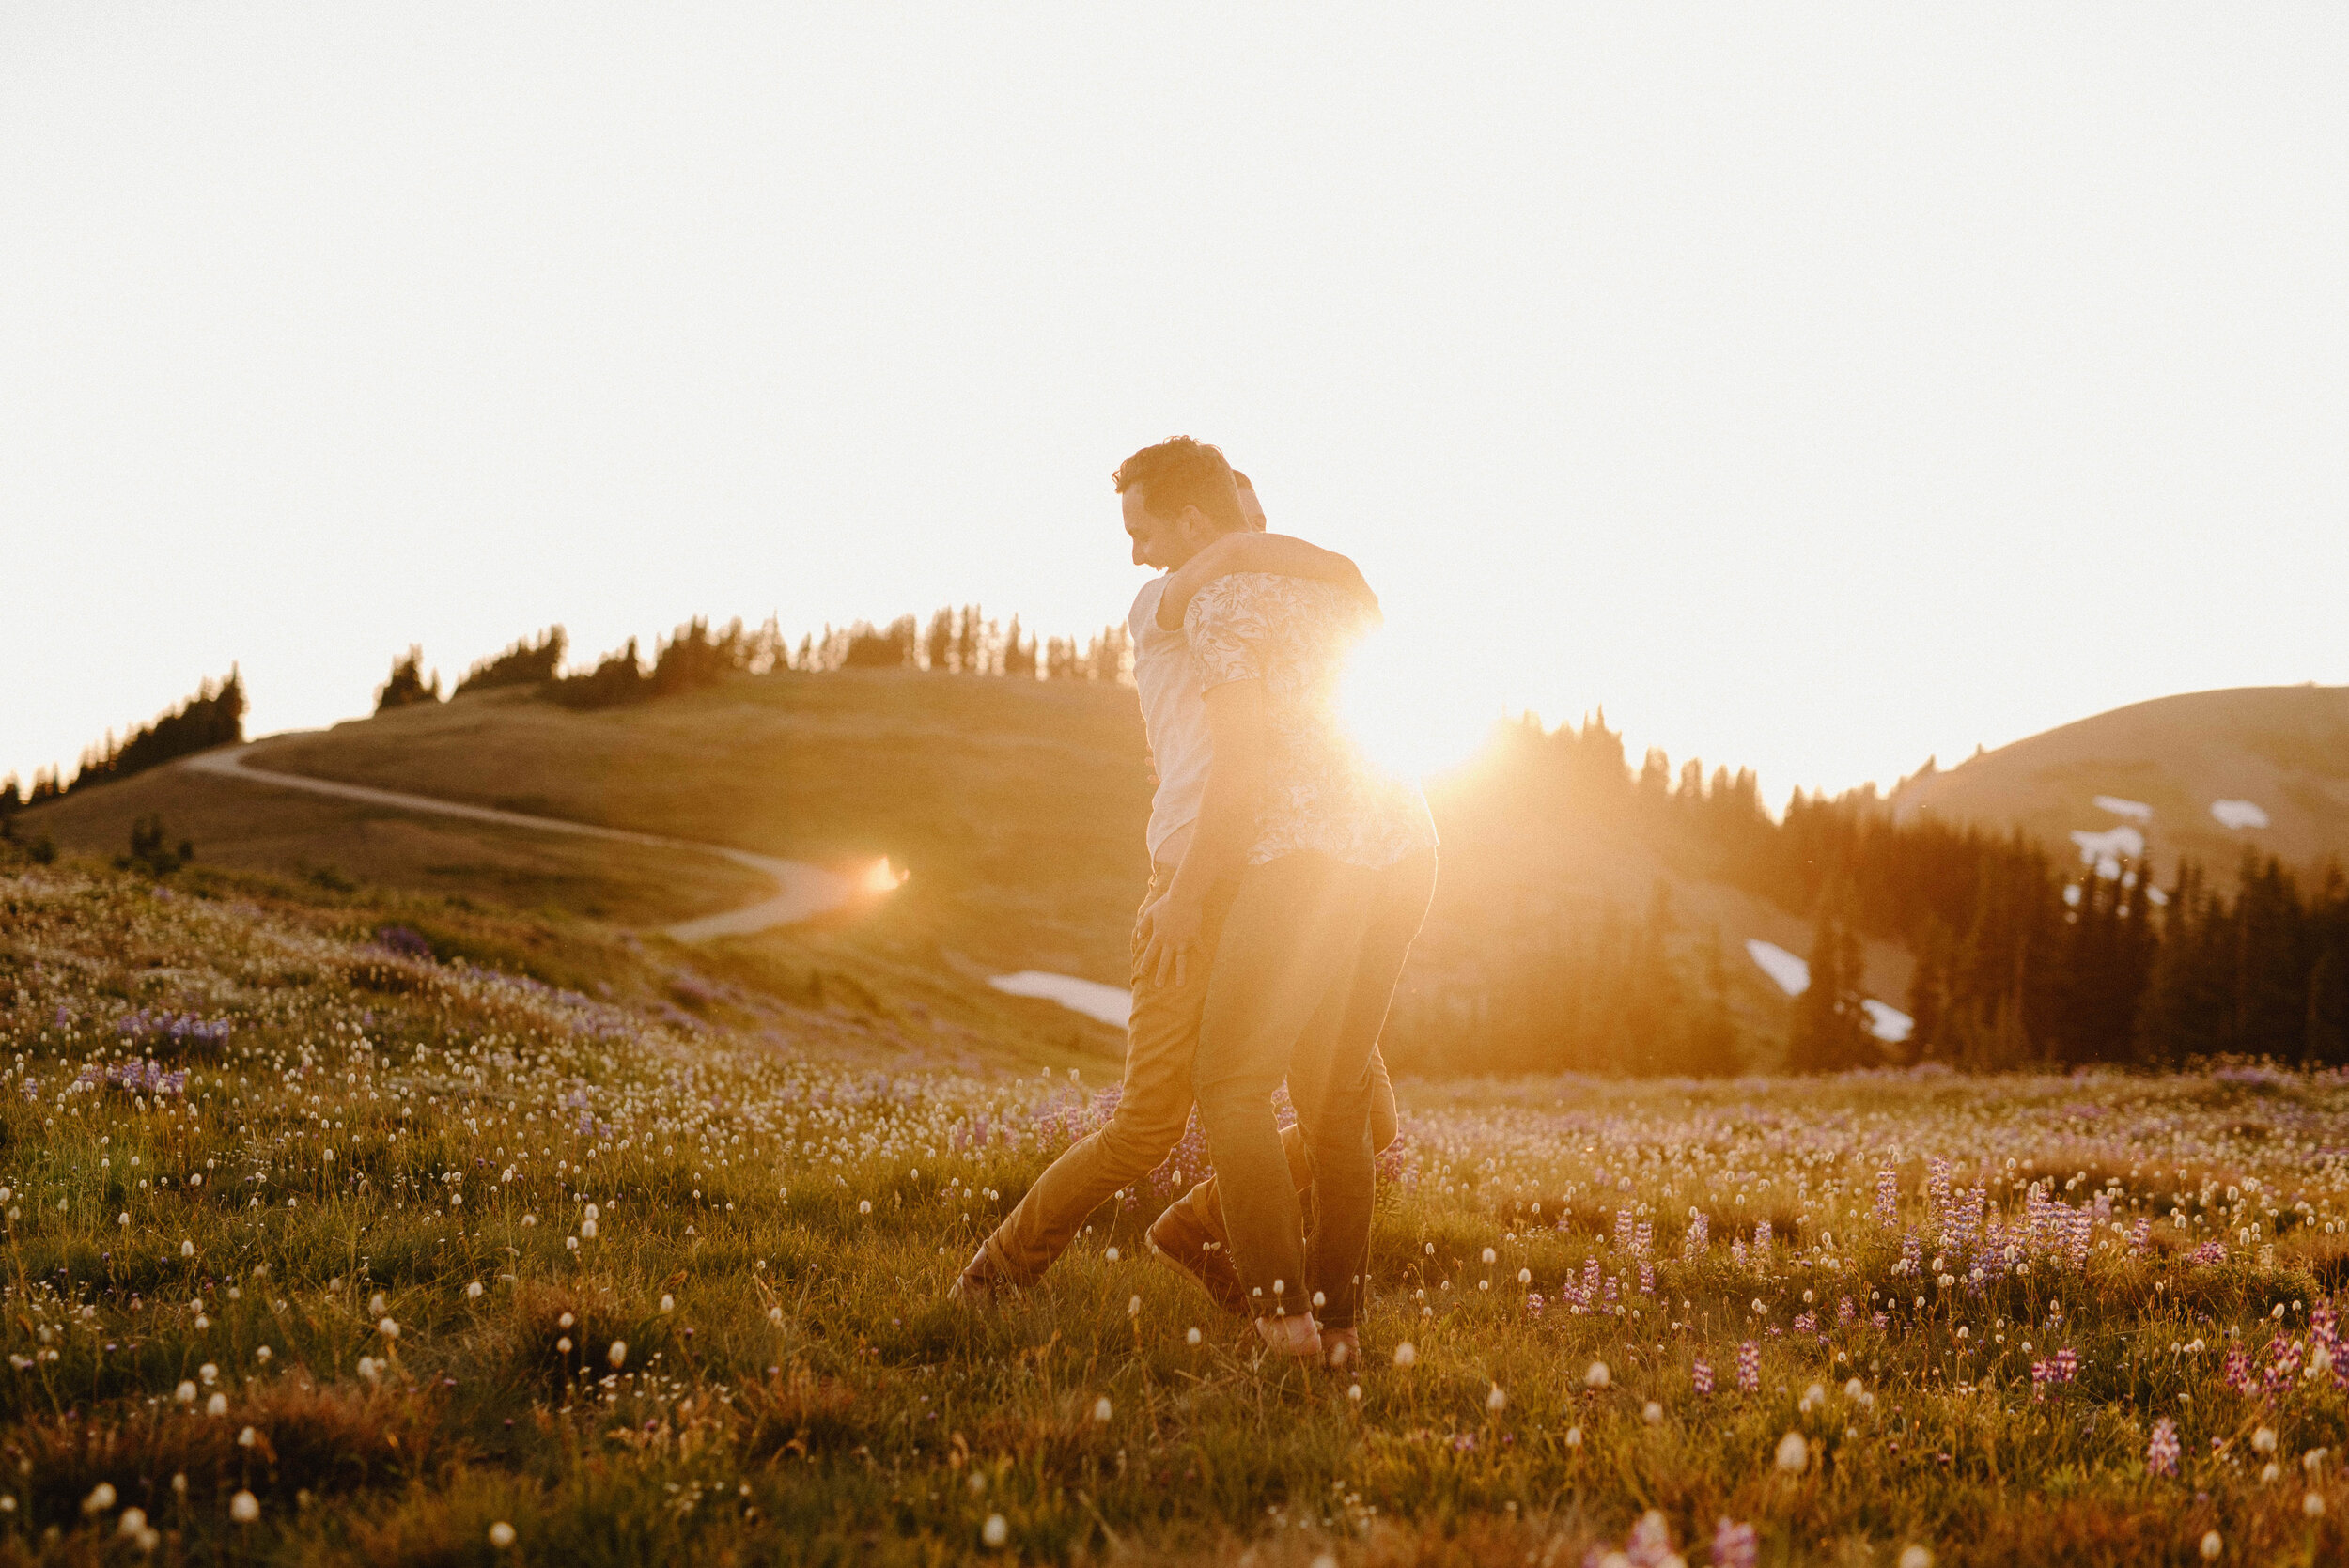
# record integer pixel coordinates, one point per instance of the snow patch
(1110, 1005)
(1791, 974)
(2238, 814)
(2105, 850)
(1886, 1022)
(2135, 810)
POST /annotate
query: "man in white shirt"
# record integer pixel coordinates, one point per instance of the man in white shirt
(1194, 544)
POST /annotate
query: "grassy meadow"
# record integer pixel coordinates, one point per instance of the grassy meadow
(472, 1236)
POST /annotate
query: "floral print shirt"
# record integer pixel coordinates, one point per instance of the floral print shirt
(1321, 793)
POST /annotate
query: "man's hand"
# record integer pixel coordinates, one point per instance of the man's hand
(1169, 928)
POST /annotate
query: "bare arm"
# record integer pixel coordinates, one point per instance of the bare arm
(1278, 554)
(1220, 840)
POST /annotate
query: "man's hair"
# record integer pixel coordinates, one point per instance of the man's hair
(1183, 473)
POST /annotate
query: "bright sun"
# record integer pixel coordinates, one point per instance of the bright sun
(1408, 719)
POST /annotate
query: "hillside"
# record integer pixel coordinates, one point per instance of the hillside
(2204, 775)
(1016, 807)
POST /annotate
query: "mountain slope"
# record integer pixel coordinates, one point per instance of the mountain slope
(1015, 806)
(2206, 775)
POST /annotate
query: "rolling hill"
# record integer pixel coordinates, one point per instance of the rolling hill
(2204, 775)
(1016, 807)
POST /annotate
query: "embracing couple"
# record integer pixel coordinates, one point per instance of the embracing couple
(1289, 878)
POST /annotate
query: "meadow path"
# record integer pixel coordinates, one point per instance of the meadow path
(802, 890)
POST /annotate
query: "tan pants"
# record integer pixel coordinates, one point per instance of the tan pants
(1161, 1045)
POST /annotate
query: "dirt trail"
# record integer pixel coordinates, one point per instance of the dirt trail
(802, 890)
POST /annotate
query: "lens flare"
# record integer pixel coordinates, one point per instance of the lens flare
(884, 878)
(1407, 717)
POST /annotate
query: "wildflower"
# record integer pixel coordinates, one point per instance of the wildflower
(1192, 1337)
(1495, 1401)
(1101, 1409)
(1597, 1377)
(1573, 1436)
(617, 1355)
(1749, 1367)
(216, 1406)
(102, 1497)
(473, 1291)
(2313, 1505)
(1735, 1546)
(185, 1393)
(2264, 1439)
(1406, 1354)
(995, 1531)
(501, 1535)
(668, 1302)
(2212, 1545)
(244, 1507)
(1914, 1556)
(1701, 1377)
(1793, 1455)
(1653, 1413)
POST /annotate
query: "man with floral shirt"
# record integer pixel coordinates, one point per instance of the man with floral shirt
(1186, 511)
(1335, 866)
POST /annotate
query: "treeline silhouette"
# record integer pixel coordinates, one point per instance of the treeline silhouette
(956, 640)
(213, 717)
(2020, 959)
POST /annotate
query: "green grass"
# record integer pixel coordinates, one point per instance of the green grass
(796, 1388)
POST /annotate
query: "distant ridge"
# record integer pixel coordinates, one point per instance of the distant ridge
(2204, 774)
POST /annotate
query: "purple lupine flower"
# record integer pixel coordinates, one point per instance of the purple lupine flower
(1735, 1546)
(1805, 1323)
(1701, 1376)
(1699, 1230)
(1737, 1253)
(2163, 1449)
(2283, 1366)
(1844, 1311)
(1533, 1304)
(2237, 1371)
(1749, 1367)
(1761, 1237)
(1888, 1199)
(1648, 1279)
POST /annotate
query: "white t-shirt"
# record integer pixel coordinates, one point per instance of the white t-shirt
(1175, 718)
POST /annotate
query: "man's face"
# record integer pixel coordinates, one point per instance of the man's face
(1165, 543)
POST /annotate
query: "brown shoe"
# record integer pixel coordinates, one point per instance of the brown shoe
(1178, 1240)
(978, 1285)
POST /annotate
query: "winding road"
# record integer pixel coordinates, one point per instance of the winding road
(802, 890)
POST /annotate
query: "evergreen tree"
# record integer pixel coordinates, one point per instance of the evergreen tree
(407, 686)
(524, 663)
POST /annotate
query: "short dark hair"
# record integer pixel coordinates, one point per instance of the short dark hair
(1183, 473)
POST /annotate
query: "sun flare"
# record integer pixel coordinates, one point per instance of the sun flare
(1406, 717)
(884, 878)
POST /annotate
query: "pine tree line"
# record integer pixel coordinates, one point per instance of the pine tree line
(956, 640)
(2020, 959)
(213, 717)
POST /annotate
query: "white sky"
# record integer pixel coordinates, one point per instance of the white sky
(1815, 387)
